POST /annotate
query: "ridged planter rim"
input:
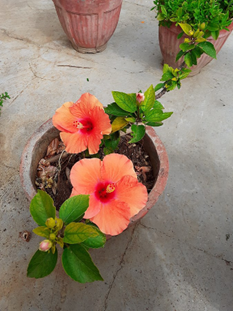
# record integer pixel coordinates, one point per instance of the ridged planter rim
(152, 140)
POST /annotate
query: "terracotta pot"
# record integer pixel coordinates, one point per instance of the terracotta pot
(169, 46)
(88, 24)
(36, 148)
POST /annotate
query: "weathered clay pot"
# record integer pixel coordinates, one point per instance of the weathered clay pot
(169, 46)
(37, 145)
(88, 24)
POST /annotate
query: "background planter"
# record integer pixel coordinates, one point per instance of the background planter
(37, 145)
(169, 46)
(88, 24)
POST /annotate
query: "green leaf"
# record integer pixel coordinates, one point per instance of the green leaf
(194, 57)
(112, 144)
(158, 86)
(167, 76)
(213, 26)
(197, 51)
(208, 48)
(131, 120)
(154, 123)
(166, 68)
(138, 132)
(115, 110)
(186, 46)
(78, 264)
(172, 86)
(180, 35)
(42, 231)
(160, 17)
(41, 264)
(215, 34)
(42, 208)
(149, 99)
(188, 60)
(157, 117)
(186, 28)
(179, 55)
(157, 105)
(73, 208)
(78, 232)
(125, 101)
(95, 242)
(118, 124)
(163, 9)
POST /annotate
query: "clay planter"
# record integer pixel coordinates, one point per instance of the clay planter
(169, 46)
(37, 145)
(88, 24)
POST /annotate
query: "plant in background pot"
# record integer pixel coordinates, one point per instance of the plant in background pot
(3, 97)
(104, 167)
(197, 28)
(88, 24)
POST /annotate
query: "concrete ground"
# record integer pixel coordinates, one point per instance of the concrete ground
(179, 257)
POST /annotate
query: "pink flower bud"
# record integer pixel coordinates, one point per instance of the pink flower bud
(45, 245)
(140, 97)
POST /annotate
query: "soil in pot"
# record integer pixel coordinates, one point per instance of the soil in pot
(54, 168)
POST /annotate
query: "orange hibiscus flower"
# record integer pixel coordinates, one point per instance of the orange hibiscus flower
(115, 193)
(82, 124)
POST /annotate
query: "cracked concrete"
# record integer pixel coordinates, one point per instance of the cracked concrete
(179, 257)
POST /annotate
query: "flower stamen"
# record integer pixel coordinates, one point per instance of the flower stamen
(110, 188)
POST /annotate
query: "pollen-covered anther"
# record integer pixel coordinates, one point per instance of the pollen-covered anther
(110, 188)
(79, 125)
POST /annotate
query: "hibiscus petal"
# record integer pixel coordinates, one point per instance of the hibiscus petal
(94, 141)
(84, 175)
(85, 103)
(100, 121)
(129, 190)
(94, 207)
(115, 166)
(74, 142)
(63, 119)
(113, 217)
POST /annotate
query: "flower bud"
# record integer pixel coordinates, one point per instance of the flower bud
(186, 40)
(202, 26)
(50, 223)
(140, 97)
(191, 32)
(45, 245)
(52, 236)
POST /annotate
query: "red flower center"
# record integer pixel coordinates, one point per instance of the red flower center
(84, 125)
(105, 191)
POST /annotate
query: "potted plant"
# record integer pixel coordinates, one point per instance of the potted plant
(205, 25)
(88, 24)
(108, 191)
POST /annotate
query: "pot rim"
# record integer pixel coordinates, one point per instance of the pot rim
(156, 191)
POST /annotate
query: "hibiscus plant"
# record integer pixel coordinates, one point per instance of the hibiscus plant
(73, 236)
(106, 193)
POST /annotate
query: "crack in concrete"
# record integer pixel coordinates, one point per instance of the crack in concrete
(121, 266)
(36, 76)
(228, 262)
(71, 66)
(20, 93)
(8, 34)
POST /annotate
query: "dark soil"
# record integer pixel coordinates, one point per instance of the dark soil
(135, 152)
